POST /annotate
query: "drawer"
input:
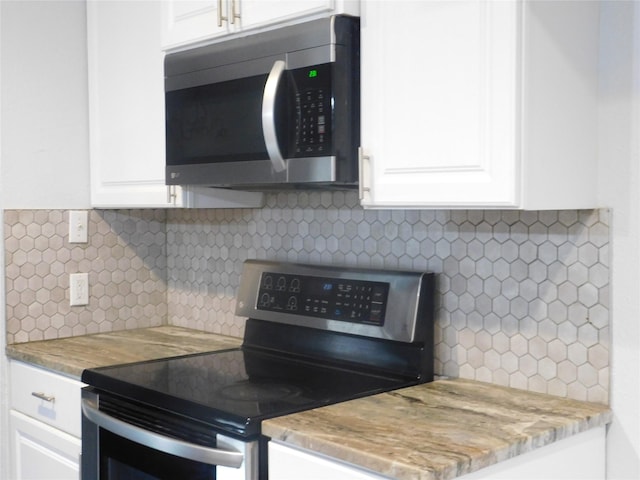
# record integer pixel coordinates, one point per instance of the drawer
(46, 396)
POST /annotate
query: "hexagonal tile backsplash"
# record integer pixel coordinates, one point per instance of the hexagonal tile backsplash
(125, 259)
(522, 296)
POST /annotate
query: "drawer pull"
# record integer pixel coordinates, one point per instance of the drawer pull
(44, 396)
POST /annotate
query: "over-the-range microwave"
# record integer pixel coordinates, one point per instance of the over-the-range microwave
(280, 108)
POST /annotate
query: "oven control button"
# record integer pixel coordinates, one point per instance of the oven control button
(265, 300)
(292, 304)
(295, 285)
(375, 315)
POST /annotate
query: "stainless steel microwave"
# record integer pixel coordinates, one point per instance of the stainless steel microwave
(280, 108)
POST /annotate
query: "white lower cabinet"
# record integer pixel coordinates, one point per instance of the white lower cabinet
(287, 463)
(45, 424)
(579, 457)
(41, 452)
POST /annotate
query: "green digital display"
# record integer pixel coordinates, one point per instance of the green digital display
(313, 73)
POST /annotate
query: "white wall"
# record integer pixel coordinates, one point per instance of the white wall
(44, 152)
(4, 410)
(43, 50)
(619, 188)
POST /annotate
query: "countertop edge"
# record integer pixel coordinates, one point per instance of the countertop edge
(308, 434)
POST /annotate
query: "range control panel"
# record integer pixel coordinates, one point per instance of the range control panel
(357, 301)
(386, 304)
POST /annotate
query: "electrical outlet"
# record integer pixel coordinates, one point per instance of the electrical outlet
(78, 226)
(78, 289)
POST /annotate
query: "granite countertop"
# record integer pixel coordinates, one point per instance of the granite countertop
(439, 430)
(70, 356)
(434, 431)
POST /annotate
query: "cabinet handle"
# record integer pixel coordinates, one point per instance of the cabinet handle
(221, 18)
(234, 13)
(172, 195)
(44, 396)
(364, 166)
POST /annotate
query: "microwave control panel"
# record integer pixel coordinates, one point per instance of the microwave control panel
(313, 112)
(357, 301)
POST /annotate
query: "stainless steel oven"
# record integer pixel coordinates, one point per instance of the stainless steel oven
(314, 336)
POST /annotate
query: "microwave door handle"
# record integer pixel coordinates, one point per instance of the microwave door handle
(211, 456)
(268, 116)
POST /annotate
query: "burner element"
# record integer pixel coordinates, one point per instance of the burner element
(251, 391)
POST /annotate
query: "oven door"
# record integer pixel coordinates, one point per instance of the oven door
(116, 449)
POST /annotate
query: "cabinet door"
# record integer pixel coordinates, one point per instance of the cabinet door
(126, 105)
(189, 21)
(126, 114)
(39, 451)
(286, 463)
(438, 103)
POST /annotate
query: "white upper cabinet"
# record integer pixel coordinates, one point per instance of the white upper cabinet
(126, 105)
(187, 22)
(126, 113)
(479, 104)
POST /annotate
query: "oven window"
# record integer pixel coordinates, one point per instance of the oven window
(122, 459)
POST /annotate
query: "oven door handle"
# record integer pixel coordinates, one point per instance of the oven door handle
(269, 98)
(227, 457)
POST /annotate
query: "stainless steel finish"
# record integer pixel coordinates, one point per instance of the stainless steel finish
(298, 46)
(401, 318)
(226, 457)
(44, 396)
(299, 170)
(312, 169)
(268, 116)
(249, 68)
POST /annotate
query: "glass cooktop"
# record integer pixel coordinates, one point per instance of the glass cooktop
(234, 390)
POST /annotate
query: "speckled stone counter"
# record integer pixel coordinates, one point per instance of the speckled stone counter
(70, 356)
(439, 430)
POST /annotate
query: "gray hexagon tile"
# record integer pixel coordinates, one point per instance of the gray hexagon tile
(125, 259)
(523, 297)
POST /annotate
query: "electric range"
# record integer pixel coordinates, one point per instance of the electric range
(314, 335)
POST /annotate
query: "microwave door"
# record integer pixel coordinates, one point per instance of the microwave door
(269, 102)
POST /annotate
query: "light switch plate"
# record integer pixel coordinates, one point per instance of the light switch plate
(78, 226)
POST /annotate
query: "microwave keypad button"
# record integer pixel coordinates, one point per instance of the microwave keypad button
(312, 127)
